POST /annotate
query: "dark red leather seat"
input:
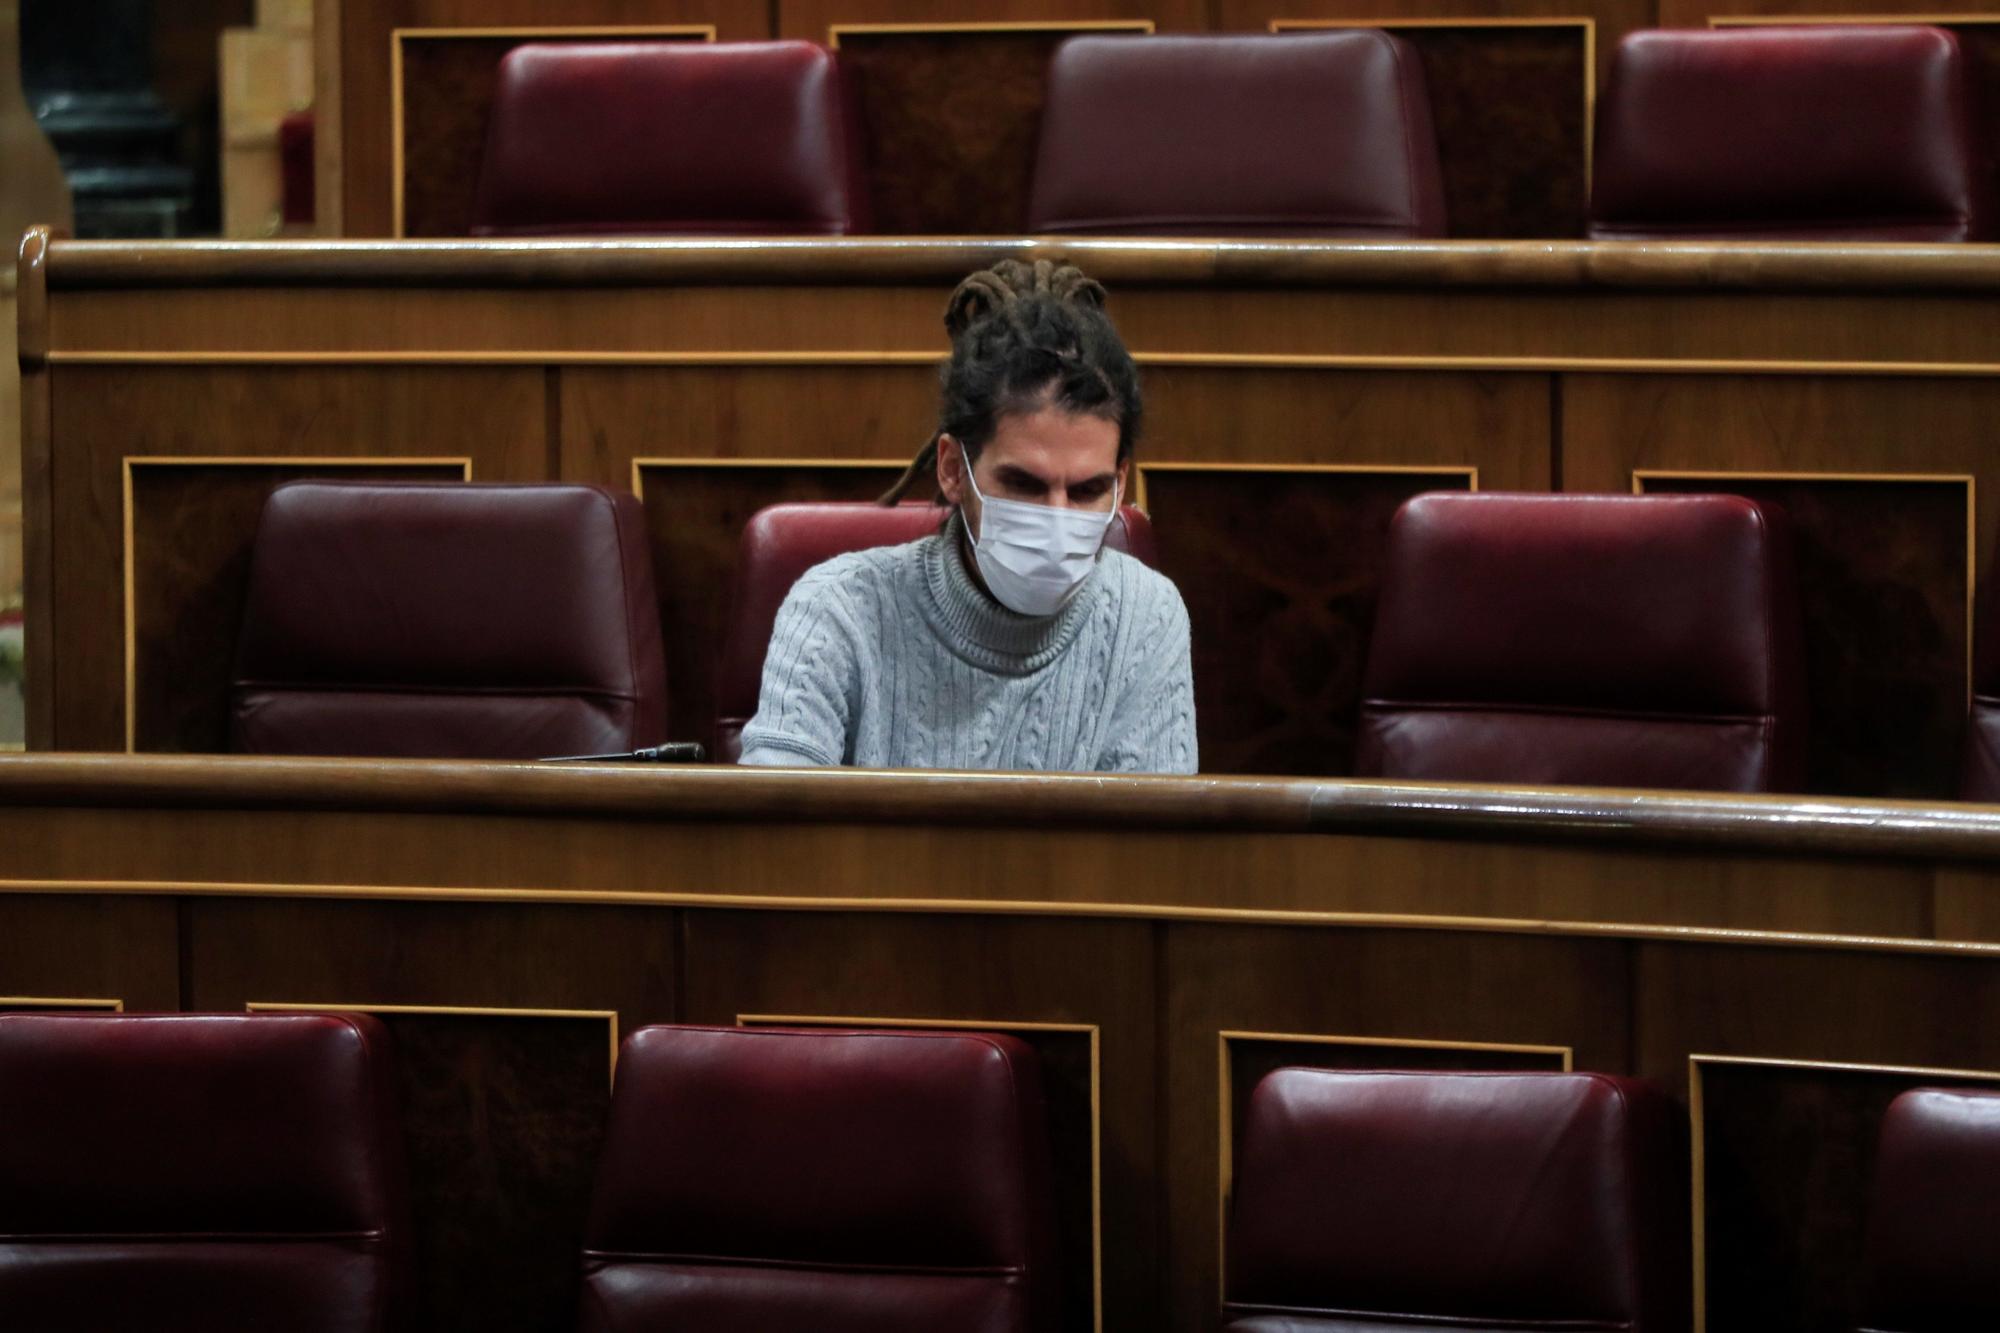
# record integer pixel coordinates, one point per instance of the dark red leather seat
(199, 1173)
(781, 542)
(449, 620)
(1979, 777)
(671, 138)
(1862, 133)
(1309, 134)
(1600, 640)
(1367, 1203)
(1934, 1214)
(823, 1181)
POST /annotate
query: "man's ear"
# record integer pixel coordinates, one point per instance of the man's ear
(951, 469)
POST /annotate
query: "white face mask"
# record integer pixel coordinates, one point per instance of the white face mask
(1033, 557)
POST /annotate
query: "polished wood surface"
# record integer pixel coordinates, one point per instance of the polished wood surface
(1165, 941)
(1296, 391)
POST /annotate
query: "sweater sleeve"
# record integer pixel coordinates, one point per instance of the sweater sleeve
(808, 699)
(1152, 724)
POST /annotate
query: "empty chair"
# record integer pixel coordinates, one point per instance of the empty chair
(1863, 133)
(671, 138)
(1312, 134)
(449, 620)
(200, 1172)
(1608, 640)
(1457, 1202)
(823, 1181)
(1935, 1210)
(781, 542)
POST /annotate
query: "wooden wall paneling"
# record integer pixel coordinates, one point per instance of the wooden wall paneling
(1885, 571)
(1016, 970)
(1883, 564)
(1279, 568)
(1786, 1150)
(1406, 988)
(441, 102)
(812, 20)
(1512, 100)
(189, 525)
(951, 114)
(1072, 1080)
(355, 39)
(505, 1060)
(302, 415)
(696, 509)
(1275, 537)
(1784, 1153)
(38, 504)
(86, 952)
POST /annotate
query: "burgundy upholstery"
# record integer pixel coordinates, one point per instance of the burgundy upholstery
(671, 138)
(1819, 133)
(1312, 134)
(296, 170)
(1608, 640)
(781, 542)
(823, 1181)
(1372, 1202)
(1979, 778)
(449, 620)
(200, 1172)
(1929, 1262)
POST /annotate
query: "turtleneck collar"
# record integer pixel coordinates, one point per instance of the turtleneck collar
(979, 629)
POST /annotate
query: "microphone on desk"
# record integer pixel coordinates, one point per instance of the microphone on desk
(673, 752)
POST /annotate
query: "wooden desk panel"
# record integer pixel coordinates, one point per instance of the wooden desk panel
(1296, 389)
(1176, 936)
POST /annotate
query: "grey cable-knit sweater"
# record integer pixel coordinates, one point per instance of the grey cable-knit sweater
(894, 658)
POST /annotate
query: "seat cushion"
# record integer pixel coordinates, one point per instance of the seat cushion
(781, 542)
(671, 138)
(823, 1179)
(1933, 1216)
(449, 620)
(1371, 1201)
(1647, 641)
(1309, 134)
(199, 1172)
(1817, 132)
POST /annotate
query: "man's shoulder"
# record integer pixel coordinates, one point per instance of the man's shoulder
(1138, 590)
(858, 570)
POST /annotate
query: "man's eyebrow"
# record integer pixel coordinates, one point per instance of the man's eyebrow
(1101, 479)
(1015, 472)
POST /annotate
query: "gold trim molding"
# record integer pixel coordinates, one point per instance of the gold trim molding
(610, 1016)
(1697, 1140)
(8, 1002)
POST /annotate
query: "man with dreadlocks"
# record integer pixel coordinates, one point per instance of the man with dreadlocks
(1012, 639)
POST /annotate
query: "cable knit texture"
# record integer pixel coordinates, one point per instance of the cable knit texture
(894, 658)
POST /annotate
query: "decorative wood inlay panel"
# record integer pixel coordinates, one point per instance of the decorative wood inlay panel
(1885, 586)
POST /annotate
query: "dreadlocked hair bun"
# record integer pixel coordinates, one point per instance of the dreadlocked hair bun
(1026, 336)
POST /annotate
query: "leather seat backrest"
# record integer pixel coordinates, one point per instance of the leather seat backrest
(823, 1181)
(449, 621)
(1458, 1202)
(1597, 640)
(200, 1172)
(781, 542)
(671, 138)
(1933, 1215)
(1822, 132)
(1308, 134)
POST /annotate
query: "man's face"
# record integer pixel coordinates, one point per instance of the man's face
(1045, 457)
